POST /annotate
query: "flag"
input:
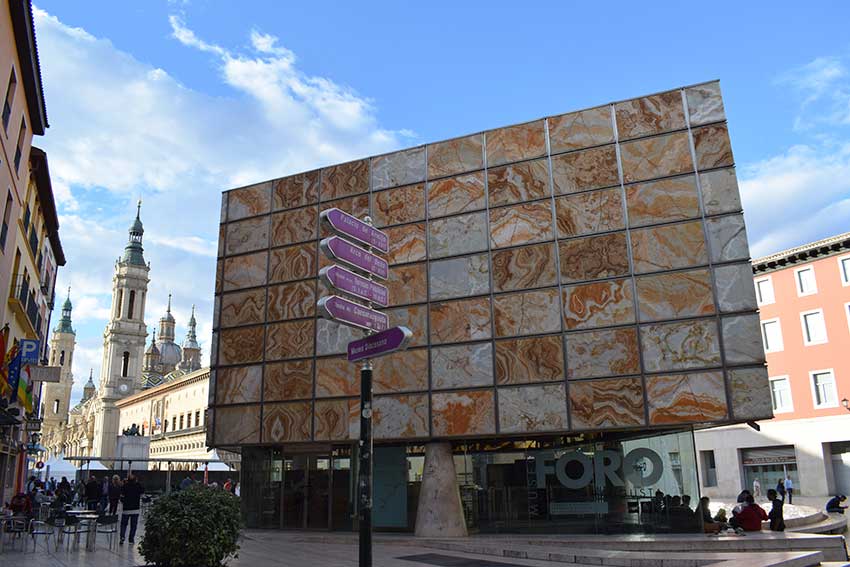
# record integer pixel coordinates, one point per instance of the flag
(25, 388)
(14, 372)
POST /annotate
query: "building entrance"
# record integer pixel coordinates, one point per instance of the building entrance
(289, 490)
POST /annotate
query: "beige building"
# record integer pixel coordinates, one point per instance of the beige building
(172, 415)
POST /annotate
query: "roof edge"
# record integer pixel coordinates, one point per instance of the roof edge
(44, 188)
(24, 30)
(830, 245)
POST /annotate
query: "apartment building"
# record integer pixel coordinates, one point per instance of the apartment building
(803, 296)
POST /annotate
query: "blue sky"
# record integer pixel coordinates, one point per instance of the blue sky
(174, 101)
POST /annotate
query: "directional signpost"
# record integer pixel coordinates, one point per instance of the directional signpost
(355, 284)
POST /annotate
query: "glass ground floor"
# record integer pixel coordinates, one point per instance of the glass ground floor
(600, 483)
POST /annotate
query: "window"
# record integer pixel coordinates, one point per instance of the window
(814, 327)
(806, 283)
(55, 407)
(771, 334)
(198, 418)
(19, 150)
(844, 269)
(131, 305)
(62, 358)
(780, 394)
(181, 421)
(709, 468)
(118, 304)
(823, 389)
(10, 98)
(7, 212)
(174, 423)
(125, 364)
(764, 291)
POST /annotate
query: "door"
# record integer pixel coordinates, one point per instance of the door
(318, 493)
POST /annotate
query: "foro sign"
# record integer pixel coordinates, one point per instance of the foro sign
(604, 464)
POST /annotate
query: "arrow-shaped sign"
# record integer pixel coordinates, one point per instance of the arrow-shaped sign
(347, 312)
(349, 254)
(337, 277)
(379, 344)
(342, 223)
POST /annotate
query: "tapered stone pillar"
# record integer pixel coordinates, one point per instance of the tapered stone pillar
(440, 513)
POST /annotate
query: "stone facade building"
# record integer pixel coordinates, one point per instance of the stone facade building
(579, 293)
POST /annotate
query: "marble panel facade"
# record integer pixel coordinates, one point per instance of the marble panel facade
(680, 345)
(247, 235)
(459, 277)
(399, 206)
(471, 412)
(456, 156)
(652, 114)
(293, 263)
(238, 385)
(460, 321)
(407, 243)
(511, 184)
(584, 170)
(290, 380)
(533, 409)
(243, 307)
(675, 295)
(249, 201)
(588, 213)
(345, 179)
(458, 235)
(609, 352)
(516, 143)
(666, 200)
(404, 371)
(462, 366)
(399, 168)
(461, 194)
(287, 422)
(533, 359)
(296, 191)
(577, 130)
(594, 257)
(527, 313)
(605, 404)
(598, 304)
(400, 417)
(685, 398)
(525, 267)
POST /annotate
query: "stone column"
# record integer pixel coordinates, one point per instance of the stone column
(439, 513)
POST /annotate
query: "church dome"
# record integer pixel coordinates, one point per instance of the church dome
(170, 354)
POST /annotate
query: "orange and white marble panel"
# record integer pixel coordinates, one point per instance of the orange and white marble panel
(237, 425)
(238, 385)
(606, 404)
(524, 267)
(470, 412)
(609, 352)
(403, 371)
(652, 114)
(598, 304)
(462, 366)
(576, 130)
(296, 190)
(456, 156)
(287, 422)
(243, 345)
(292, 301)
(675, 295)
(345, 179)
(294, 226)
(531, 409)
(291, 339)
(516, 143)
(247, 235)
(523, 361)
(399, 206)
(518, 182)
(293, 263)
(527, 313)
(660, 156)
(521, 224)
(660, 201)
(590, 212)
(461, 194)
(669, 247)
(584, 170)
(399, 168)
(460, 321)
(290, 380)
(594, 257)
(686, 398)
(244, 271)
(400, 417)
(249, 201)
(680, 345)
(243, 307)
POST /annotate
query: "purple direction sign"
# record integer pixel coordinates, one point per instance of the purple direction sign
(336, 248)
(352, 314)
(345, 281)
(380, 344)
(352, 227)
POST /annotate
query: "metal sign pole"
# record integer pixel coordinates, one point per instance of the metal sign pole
(365, 466)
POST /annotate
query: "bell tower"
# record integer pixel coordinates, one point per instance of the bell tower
(123, 338)
(56, 400)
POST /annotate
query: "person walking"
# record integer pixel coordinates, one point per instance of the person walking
(92, 492)
(131, 496)
(114, 494)
(104, 494)
(789, 488)
(777, 519)
(756, 488)
(780, 488)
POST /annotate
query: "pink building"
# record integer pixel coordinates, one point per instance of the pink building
(804, 300)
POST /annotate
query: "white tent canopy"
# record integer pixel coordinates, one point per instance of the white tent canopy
(58, 467)
(214, 466)
(94, 466)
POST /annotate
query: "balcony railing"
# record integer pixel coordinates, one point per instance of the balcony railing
(29, 303)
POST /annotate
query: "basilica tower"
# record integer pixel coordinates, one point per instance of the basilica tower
(123, 339)
(56, 398)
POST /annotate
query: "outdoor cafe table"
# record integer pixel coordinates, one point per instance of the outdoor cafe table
(87, 516)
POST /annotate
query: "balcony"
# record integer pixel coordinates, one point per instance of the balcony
(24, 302)
(178, 433)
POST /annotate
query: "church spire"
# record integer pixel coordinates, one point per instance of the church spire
(64, 325)
(133, 252)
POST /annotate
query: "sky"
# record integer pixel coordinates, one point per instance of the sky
(174, 101)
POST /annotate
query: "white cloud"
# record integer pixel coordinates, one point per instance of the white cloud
(796, 197)
(122, 128)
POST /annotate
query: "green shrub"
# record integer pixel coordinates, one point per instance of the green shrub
(196, 527)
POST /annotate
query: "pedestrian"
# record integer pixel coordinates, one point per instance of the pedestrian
(64, 485)
(834, 504)
(751, 516)
(31, 483)
(237, 490)
(92, 493)
(780, 488)
(131, 495)
(104, 494)
(187, 482)
(742, 497)
(114, 494)
(228, 485)
(756, 489)
(709, 525)
(789, 488)
(777, 520)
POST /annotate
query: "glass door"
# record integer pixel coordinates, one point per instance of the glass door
(318, 493)
(294, 491)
